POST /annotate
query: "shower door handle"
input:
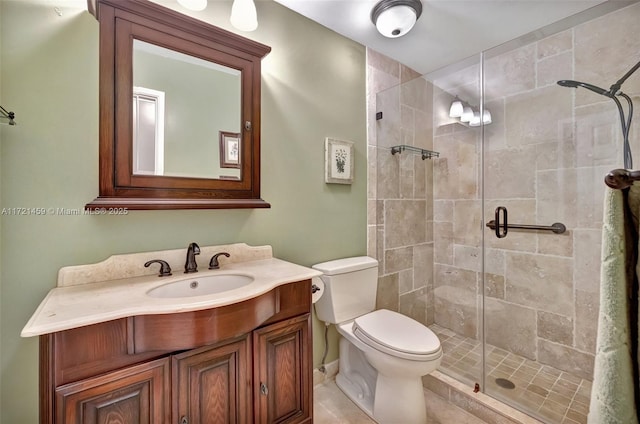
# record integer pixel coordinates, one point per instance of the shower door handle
(505, 223)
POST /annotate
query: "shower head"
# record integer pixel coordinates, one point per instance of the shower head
(576, 84)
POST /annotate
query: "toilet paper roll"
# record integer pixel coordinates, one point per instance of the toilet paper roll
(317, 289)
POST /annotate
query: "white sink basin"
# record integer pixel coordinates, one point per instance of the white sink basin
(201, 286)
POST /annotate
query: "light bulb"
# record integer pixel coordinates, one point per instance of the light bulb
(475, 121)
(456, 109)
(486, 117)
(195, 5)
(467, 114)
(243, 15)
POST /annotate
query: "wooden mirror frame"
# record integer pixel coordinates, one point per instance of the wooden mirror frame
(120, 22)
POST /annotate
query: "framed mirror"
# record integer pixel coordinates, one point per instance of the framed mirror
(179, 111)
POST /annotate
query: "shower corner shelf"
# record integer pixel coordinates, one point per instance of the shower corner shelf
(426, 154)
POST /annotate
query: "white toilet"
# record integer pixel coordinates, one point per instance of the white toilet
(383, 354)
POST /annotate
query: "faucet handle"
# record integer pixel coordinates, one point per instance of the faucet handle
(165, 269)
(213, 263)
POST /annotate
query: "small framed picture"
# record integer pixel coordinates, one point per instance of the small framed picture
(339, 158)
(230, 149)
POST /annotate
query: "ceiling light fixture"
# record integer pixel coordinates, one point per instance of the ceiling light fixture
(195, 5)
(243, 15)
(394, 18)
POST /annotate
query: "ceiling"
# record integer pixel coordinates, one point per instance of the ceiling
(447, 31)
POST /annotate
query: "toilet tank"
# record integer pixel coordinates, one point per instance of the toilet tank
(350, 287)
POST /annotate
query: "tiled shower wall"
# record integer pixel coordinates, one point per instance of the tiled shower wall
(400, 208)
(546, 154)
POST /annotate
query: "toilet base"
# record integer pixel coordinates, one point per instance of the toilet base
(407, 405)
(399, 400)
(354, 393)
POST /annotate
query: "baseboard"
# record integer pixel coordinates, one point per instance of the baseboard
(330, 372)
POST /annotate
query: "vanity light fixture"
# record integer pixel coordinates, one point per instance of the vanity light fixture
(463, 111)
(195, 5)
(243, 15)
(395, 18)
(7, 116)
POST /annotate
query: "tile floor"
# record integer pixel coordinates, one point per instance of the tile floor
(331, 406)
(542, 391)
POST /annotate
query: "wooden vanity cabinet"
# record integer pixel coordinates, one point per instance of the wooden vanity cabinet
(97, 375)
(282, 384)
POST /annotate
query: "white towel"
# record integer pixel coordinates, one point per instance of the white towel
(612, 396)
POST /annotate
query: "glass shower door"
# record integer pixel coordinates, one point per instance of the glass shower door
(545, 154)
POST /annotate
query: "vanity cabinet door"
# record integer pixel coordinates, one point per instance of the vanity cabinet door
(282, 372)
(213, 385)
(134, 395)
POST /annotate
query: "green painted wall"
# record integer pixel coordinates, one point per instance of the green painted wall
(313, 87)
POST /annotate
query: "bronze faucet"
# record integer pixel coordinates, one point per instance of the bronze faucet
(213, 263)
(191, 265)
(165, 269)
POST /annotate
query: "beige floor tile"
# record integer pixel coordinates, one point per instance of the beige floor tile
(440, 411)
(331, 406)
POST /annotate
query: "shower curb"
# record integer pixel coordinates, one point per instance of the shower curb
(478, 404)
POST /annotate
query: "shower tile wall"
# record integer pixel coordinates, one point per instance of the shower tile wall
(400, 212)
(546, 154)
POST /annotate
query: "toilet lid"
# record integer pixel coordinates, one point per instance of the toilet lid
(396, 332)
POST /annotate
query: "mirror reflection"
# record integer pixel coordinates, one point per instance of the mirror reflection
(186, 115)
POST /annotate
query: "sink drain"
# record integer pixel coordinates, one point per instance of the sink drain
(505, 384)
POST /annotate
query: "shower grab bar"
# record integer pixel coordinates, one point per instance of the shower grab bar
(556, 227)
(621, 178)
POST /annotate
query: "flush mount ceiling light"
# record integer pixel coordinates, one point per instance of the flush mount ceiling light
(243, 15)
(195, 5)
(394, 18)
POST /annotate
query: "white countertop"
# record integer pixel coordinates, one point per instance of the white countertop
(78, 305)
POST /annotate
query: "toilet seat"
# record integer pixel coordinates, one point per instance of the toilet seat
(397, 335)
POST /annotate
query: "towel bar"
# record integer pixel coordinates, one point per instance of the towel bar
(556, 227)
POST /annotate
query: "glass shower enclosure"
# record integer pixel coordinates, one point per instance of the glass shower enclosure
(515, 309)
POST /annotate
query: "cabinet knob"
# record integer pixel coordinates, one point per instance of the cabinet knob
(263, 389)
(184, 420)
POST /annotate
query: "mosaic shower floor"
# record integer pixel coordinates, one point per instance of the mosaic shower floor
(544, 392)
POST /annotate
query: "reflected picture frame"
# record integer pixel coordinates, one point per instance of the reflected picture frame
(339, 161)
(230, 148)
